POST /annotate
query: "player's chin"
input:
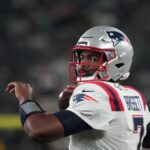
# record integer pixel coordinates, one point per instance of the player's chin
(84, 74)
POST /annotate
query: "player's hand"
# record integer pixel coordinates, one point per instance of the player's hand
(64, 97)
(23, 91)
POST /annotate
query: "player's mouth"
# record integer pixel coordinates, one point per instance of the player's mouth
(86, 73)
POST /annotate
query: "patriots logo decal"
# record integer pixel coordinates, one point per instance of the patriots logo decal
(83, 97)
(116, 37)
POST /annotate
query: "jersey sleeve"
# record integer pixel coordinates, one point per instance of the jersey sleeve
(91, 104)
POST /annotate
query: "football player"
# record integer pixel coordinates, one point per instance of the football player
(97, 112)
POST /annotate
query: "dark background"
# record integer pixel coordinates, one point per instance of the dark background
(36, 38)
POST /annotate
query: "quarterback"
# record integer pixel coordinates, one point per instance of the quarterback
(97, 112)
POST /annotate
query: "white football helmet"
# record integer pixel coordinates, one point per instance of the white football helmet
(114, 46)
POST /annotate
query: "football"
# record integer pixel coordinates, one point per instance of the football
(64, 97)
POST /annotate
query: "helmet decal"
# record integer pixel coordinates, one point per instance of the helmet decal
(116, 37)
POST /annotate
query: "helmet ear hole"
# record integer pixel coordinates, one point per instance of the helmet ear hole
(119, 65)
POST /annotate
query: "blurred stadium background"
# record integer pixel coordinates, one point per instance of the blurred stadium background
(36, 37)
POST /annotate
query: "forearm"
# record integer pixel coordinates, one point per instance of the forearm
(43, 128)
(37, 124)
(52, 127)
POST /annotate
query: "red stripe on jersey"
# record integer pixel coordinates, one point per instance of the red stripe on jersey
(142, 96)
(117, 95)
(114, 99)
(89, 98)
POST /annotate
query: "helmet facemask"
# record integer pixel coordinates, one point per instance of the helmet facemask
(81, 71)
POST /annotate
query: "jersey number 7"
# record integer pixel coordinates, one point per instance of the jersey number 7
(138, 128)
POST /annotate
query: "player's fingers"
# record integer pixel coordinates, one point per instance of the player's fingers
(29, 87)
(10, 86)
(12, 83)
(71, 86)
(68, 90)
(11, 90)
(6, 89)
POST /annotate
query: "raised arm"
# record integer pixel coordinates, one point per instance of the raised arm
(39, 125)
(36, 123)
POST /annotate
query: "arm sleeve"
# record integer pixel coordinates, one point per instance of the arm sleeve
(71, 122)
(92, 107)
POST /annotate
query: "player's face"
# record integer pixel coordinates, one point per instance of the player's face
(90, 62)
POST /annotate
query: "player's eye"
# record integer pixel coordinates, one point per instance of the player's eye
(81, 57)
(94, 59)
